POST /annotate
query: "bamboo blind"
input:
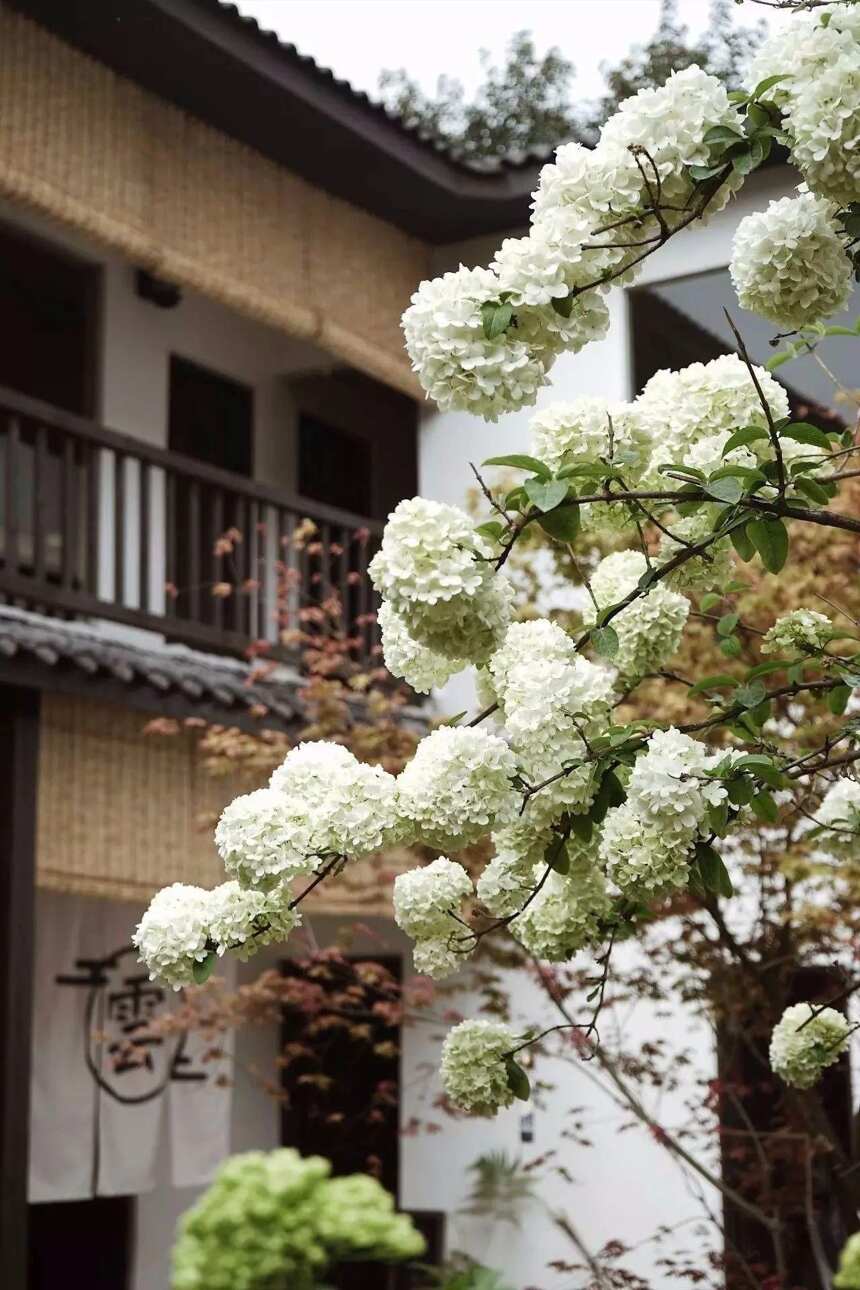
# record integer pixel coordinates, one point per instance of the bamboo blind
(85, 146)
(121, 813)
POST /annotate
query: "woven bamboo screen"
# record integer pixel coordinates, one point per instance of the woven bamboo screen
(87, 147)
(121, 813)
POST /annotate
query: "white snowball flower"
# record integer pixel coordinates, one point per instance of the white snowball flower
(649, 629)
(710, 571)
(568, 910)
(646, 841)
(507, 878)
(457, 787)
(584, 429)
(805, 1041)
(259, 837)
(840, 807)
(420, 667)
(173, 934)
(789, 263)
(425, 898)
(438, 958)
(473, 1067)
(320, 802)
(677, 409)
(550, 697)
(531, 270)
(803, 630)
(243, 920)
(437, 575)
(670, 123)
(457, 365)
(818, 57)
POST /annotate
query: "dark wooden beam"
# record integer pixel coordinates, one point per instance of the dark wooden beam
(19, 751)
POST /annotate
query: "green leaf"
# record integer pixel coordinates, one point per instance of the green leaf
(709, 600)
(757, 116)
(742, 544)
(743, 162)
(518, 1080)
(746, 434)
(715, 875)
(837, 699)
(767, 84)
(718, 817)
(562, 523)
(545, 495)
(698, 173)
(812, 490)
(751, 694)
(722, 134)
(727, 624)
(563, 305)
(770, 539)
(765, 807)
(713, 683)
(455, 720)
(731, 647)
(765, 669)
(496, 318)
(728, 489)
(521, 462)
(203, 969)
(582, 827)
(556, 856)
(605, 641)
(492, 529)
(740, 791)
(803, 432)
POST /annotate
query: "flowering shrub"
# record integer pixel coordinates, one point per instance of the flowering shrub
(279, 1219)
(605, 812)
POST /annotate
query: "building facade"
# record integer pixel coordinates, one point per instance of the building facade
(206, 244)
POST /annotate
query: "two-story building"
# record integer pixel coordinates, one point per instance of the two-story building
(206, 243)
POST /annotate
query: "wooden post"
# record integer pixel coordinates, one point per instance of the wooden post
(19, 748)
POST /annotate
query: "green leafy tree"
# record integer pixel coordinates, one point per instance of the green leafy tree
(522, 106)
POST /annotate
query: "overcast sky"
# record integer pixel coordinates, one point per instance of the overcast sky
(357, 38)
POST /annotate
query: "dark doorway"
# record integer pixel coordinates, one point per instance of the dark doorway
(81, 1244)
(48, 320)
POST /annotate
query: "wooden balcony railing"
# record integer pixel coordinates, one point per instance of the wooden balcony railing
(95, 523)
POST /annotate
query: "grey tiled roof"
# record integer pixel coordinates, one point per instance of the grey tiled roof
(110, 653)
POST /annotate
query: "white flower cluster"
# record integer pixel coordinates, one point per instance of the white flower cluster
(800, 630)
(567, 912)
(506, 880)
(436, 574)
(473, 1067)
(551, 279)
(679, 409)
(649, 629)
(456, 788)
(416, 664)
(424, 901)
(321, 801)
(425, 898)
(550, 697)
(805, 1041)
(840, 806)
(710, 571)
(183, 925)
(818, 56)
(457, 365)
(789, 263)
(646, 841)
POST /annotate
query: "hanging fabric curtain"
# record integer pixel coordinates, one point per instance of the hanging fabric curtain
(108, 1100)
